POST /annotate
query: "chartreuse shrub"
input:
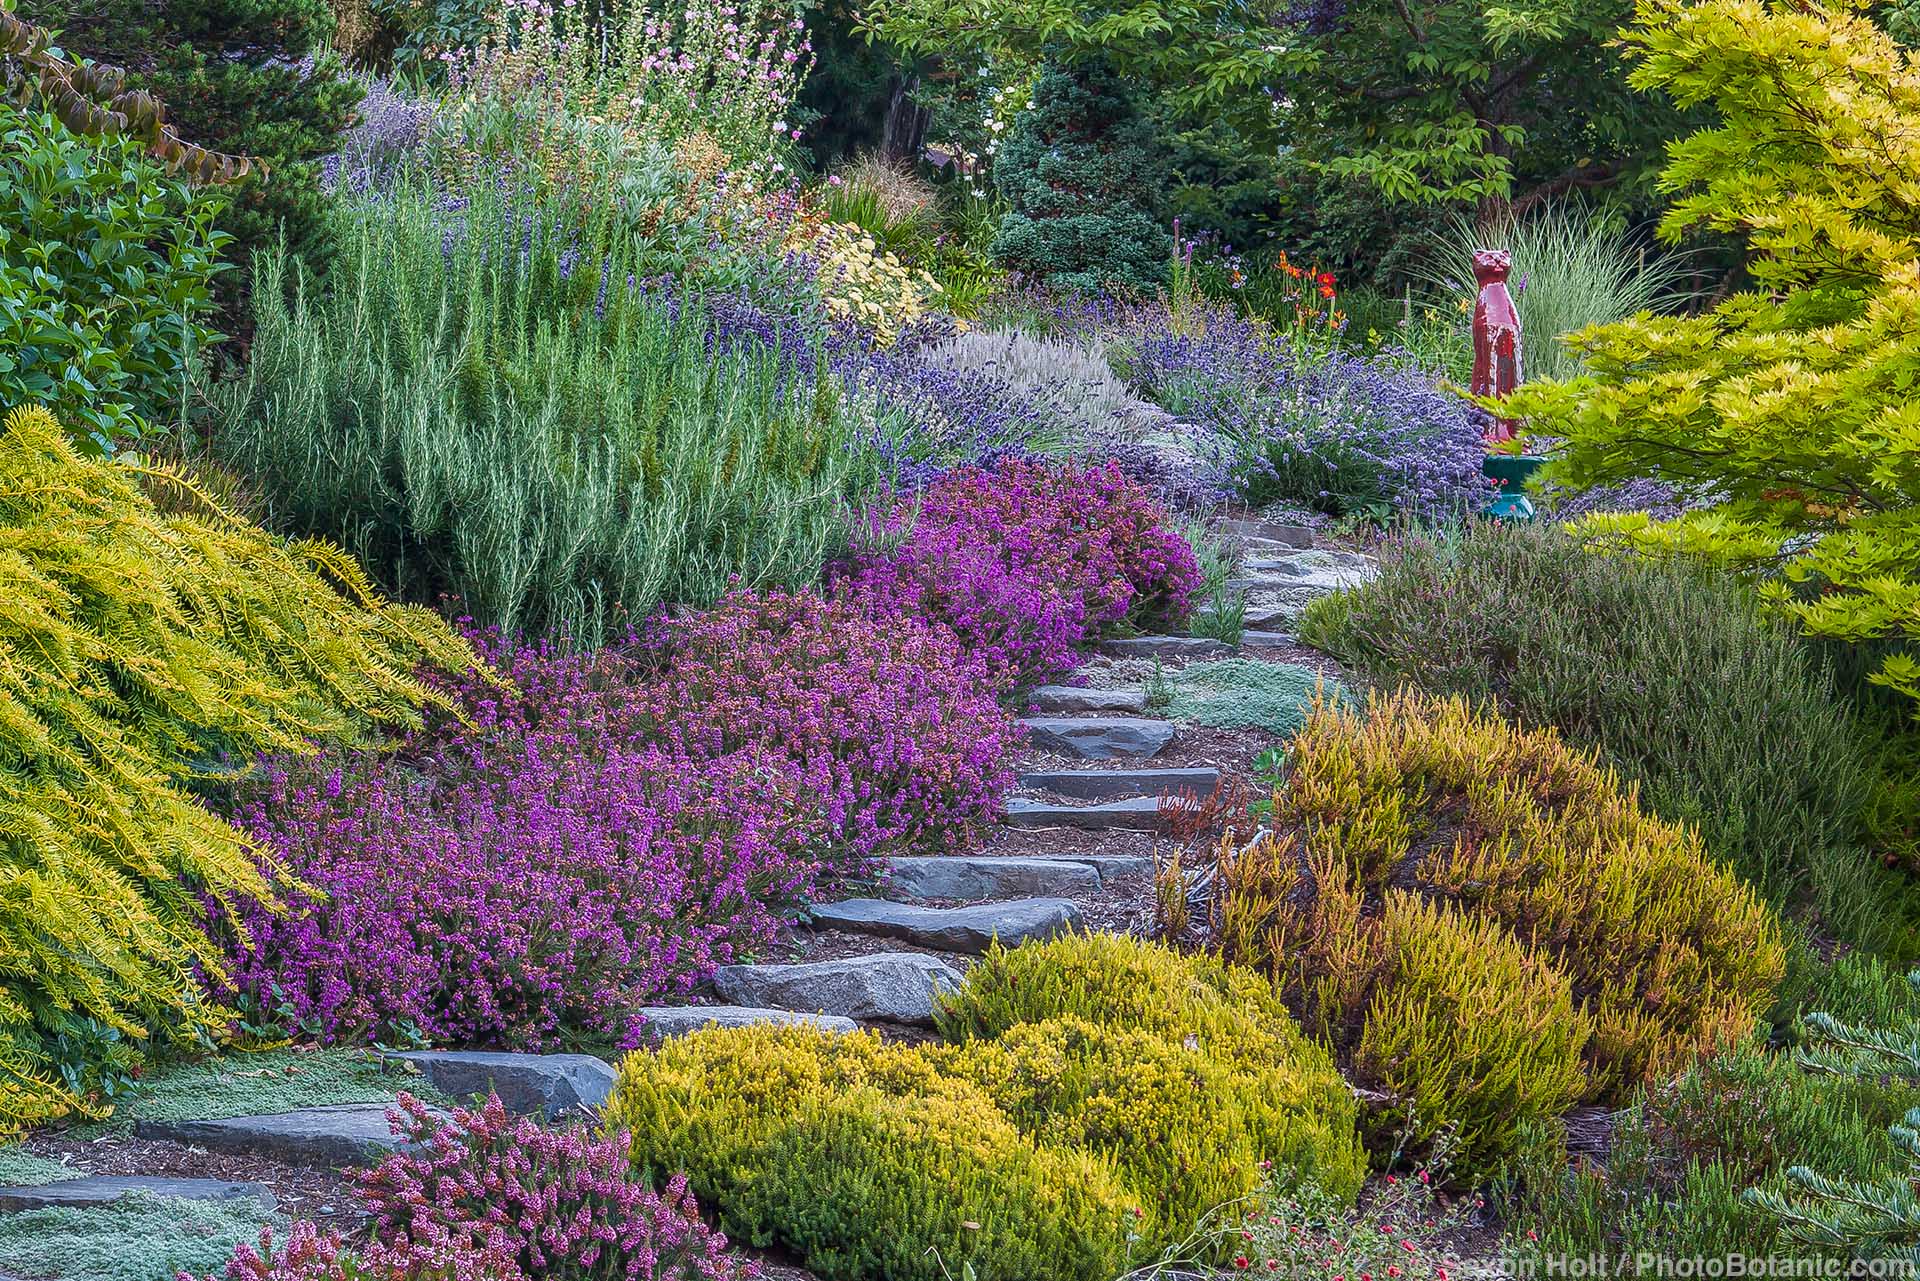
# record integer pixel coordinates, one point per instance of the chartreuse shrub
(1783, 413)
(1724, 718)
(486, 399)
(1059, 1139)
(1594, 927)
(138, 646)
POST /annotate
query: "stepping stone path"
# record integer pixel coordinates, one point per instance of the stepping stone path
(953, 929)
(888, 987)
(547, 1085)
(1099, 738)
(96, 1190)
(1181, 647)
(345, 1134)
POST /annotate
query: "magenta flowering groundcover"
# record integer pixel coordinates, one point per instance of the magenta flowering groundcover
(1027, 561)
(604, 828)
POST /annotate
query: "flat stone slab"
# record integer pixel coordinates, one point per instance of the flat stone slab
(96, 1190)
(1324, 571)
(1253, 529)
(987, 877)
(1071, 700)
(1120, 784)
(888, 987)
(1261, 640)
(1165, 647)
(953, 929)
(1099, 738)
(344, 1134)
(665, 1021)
(547, 1085)
(1135, 814)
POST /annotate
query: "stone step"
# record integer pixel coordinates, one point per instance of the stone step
(1253, 639)
(1135, 814)
(344, 1134)
(1098, 738)
(1120, 784)
(1165, 647)
(953, 929)
(1325, 570)
(547, 1085)
(96, 1190)
(1253, 529)
(887, 987)
(665, 1021)
(988, 877)
(1071, 700)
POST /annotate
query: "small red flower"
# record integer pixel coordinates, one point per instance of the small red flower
(1240, 1261)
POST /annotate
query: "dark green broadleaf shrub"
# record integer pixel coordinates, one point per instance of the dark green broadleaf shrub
(249, 77)
(106, 266)
(1726, 720)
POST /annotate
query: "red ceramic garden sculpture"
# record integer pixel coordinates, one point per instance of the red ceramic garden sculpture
(1496, 335)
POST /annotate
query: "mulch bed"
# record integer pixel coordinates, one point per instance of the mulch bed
(302, 1192)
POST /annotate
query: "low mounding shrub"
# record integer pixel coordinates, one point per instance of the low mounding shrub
(144, 643)
(1340, 434)
(540, 870)
(1056, 1146)
(488, 1197)
(1027, 560)
(1664, 954)
(484, 398)
(1725, 719)
(885, 721)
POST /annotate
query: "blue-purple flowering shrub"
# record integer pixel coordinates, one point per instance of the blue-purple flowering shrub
(1342, 434)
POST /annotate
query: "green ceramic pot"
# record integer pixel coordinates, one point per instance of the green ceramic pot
(1511, 472)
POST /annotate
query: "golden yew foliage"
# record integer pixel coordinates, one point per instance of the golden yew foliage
(135, 644)
(1061, 1117)
(1788, 411)
(1435, 881)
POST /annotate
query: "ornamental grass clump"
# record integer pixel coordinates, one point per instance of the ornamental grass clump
(885, 722)
(538, 871)
(140, 644)
(1027, 561)
(1067, 1145)
(1408, 836)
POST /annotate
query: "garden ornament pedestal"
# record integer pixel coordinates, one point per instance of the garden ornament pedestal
(1496, 372)
(1510, 473)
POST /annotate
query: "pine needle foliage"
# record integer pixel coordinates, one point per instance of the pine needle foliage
(139, 649)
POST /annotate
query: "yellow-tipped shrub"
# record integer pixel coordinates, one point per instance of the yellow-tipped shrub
(1072, 1141)
(136, 645)
(1551, 876)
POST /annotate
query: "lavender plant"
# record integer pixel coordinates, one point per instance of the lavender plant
(1343, 434)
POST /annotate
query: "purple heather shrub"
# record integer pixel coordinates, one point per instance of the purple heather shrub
(563, 1205)
(487, 1197)
(535, 869)
(884, 720)
(1026, 561)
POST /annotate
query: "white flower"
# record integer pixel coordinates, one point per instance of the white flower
(779, 126)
